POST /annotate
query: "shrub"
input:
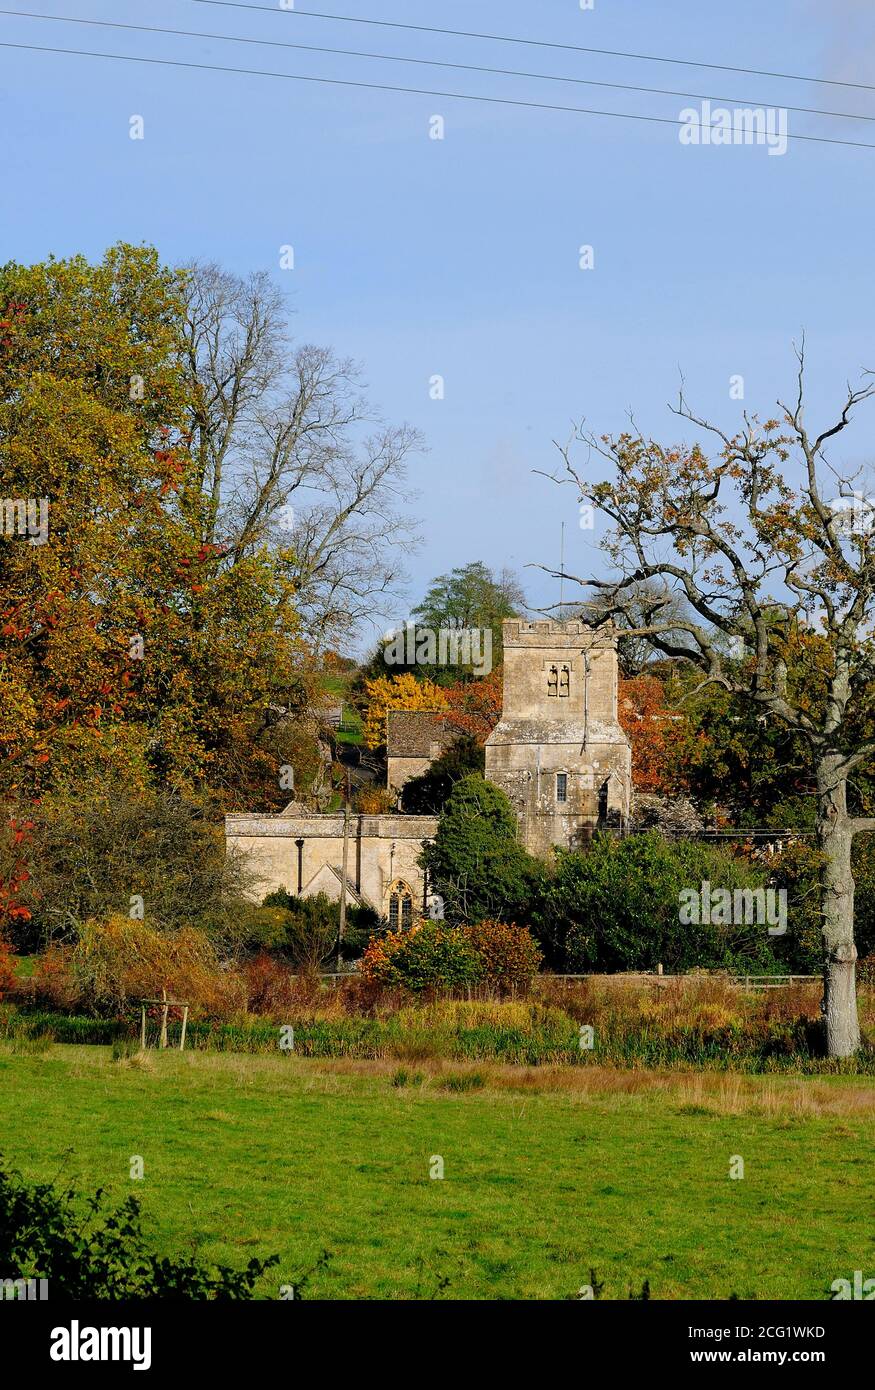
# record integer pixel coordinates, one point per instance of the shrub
(263, 928)
(429, 956)
(436, 956)
(271, 987)
(310, 933)
(509, 955)
(53, 984)
(87, 1252)
(119, 961)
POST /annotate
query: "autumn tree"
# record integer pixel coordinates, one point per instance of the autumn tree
(649, 723)
(644, 600)
(402, 692)
(768, 535)
(474, 707)
(129, 645)
(78, 343)
(291, 456)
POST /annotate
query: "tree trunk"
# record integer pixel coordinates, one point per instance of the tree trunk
(835, 835)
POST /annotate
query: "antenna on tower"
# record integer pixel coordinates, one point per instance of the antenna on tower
(561, 572)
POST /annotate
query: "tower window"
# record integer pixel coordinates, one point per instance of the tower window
(553, 681)
(561, 786)
(564, 681)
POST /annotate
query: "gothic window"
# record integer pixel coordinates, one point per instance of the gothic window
(400, 906)
(564, 681)
(553, 681)
(561, 786)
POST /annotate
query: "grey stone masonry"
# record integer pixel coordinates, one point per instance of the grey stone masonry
(558, 751)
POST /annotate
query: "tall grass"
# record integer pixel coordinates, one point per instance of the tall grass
(704, 1023)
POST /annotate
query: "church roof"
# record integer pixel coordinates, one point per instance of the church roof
(412, 733)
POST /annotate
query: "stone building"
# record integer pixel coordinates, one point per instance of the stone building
(304, 855)
(558, 752)
(414, 739)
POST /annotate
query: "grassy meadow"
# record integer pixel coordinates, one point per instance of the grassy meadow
(549, 1172)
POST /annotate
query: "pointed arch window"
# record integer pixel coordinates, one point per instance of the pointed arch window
(400, 906)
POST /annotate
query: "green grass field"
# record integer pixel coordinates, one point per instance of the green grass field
(547, 1174)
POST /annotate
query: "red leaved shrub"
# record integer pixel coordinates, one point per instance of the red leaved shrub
(7, 970)
(510, 955)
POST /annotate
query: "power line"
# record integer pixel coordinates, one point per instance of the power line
(409, 91)
(431, 62)
(541, 43)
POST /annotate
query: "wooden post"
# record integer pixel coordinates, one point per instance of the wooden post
(184, 1023)
(341, 926)
(143, 1028)
(164, 1011)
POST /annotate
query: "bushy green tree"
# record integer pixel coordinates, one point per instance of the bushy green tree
(617, 907)
(471, 597)
(106, 849)
(475, 861)
(305, 929)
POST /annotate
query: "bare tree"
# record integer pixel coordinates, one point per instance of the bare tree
(293, 457)
(646, 602)
(766, 540)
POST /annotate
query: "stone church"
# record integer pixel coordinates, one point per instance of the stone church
(558, 752)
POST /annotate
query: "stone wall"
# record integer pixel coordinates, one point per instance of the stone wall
(400, 770)
(304, 854)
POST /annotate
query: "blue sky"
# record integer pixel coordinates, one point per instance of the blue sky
(460, 257)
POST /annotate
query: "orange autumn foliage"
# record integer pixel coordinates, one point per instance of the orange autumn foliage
(651, 727)
(475, 706)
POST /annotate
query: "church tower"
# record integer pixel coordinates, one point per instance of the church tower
(558, 751)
